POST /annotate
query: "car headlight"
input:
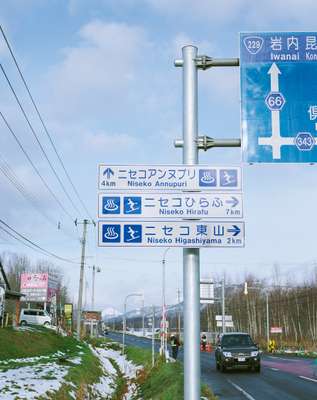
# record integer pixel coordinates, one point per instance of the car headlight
(227, 354)
(254, 353)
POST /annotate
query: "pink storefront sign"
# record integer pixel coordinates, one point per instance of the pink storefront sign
(34, 281)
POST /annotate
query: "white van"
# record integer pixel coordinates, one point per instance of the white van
(33, 316)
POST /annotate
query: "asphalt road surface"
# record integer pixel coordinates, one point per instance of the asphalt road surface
(281, 378)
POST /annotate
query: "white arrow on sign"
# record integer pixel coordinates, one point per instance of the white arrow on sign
(274, 72)
(276, 141)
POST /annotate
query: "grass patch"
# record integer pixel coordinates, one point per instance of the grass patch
(104, 343)
(40, 342)
(163, 382)
(80, 376)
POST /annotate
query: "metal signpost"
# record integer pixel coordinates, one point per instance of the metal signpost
(279, 97)
(171, 233)
(170, 205)
(175, 206)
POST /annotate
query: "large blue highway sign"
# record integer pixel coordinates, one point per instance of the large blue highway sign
(170, 234)
(169, 177)
(278, 73)
(170, 205)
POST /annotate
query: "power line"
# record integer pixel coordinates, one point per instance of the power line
(35, 168)
(33, 200)
(19, 240)
(30, 242)
(42, 122)
(37, 139)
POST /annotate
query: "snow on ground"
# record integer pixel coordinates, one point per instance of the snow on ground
(31, 381)
(30, 360)
(106, 386)
(39, 377)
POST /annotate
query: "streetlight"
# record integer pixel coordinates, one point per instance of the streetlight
(124, 315)
(267, 310)
(163, 336)
(94, 270)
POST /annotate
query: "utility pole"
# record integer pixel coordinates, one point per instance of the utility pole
(81, 277)
(223, 306)
(267, 320)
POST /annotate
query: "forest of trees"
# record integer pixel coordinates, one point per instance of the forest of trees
(291, 307)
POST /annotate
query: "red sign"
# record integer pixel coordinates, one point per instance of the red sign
(276, 329)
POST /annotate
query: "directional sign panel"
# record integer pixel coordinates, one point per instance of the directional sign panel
(170, 205)
(170, 234)
(168, 177)
(279, 96)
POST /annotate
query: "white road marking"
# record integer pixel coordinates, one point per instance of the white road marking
(247, 395)
(308, 379)
(274, 369)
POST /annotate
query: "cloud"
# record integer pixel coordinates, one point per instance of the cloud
(217, 10)
(106, 142)
(104, 62)
(226, 11)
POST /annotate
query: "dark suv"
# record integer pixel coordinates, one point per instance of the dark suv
(235, 350)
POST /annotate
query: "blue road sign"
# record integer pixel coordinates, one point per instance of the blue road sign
(279, 97)
(166, 205)
(171, 234)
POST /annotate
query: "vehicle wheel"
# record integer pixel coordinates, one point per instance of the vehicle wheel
(23, 323)
(47, 324)
(257, 369)
(222, 367)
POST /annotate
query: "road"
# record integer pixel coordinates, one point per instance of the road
(281, 378)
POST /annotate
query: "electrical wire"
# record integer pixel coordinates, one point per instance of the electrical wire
(36, 246)
(43, 123)
(37, 138)
(33, 200)
(35, 168)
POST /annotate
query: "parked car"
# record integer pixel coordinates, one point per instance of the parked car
(237, 349)
(35, 317)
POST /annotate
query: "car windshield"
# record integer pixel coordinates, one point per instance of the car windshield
(236, 341)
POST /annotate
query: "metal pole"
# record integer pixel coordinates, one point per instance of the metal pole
(153, 336)
(164, 333)
(191, 273)
(143, 317)
(93, 289)
(223, 306)
(124, 325)
(267, 321)
(163, 309)
(81, 278)
(178, 314)
(124, 317)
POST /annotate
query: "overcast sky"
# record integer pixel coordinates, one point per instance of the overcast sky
(102, 74)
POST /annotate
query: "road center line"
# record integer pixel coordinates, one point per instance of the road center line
(247, 395)
(308, 379)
